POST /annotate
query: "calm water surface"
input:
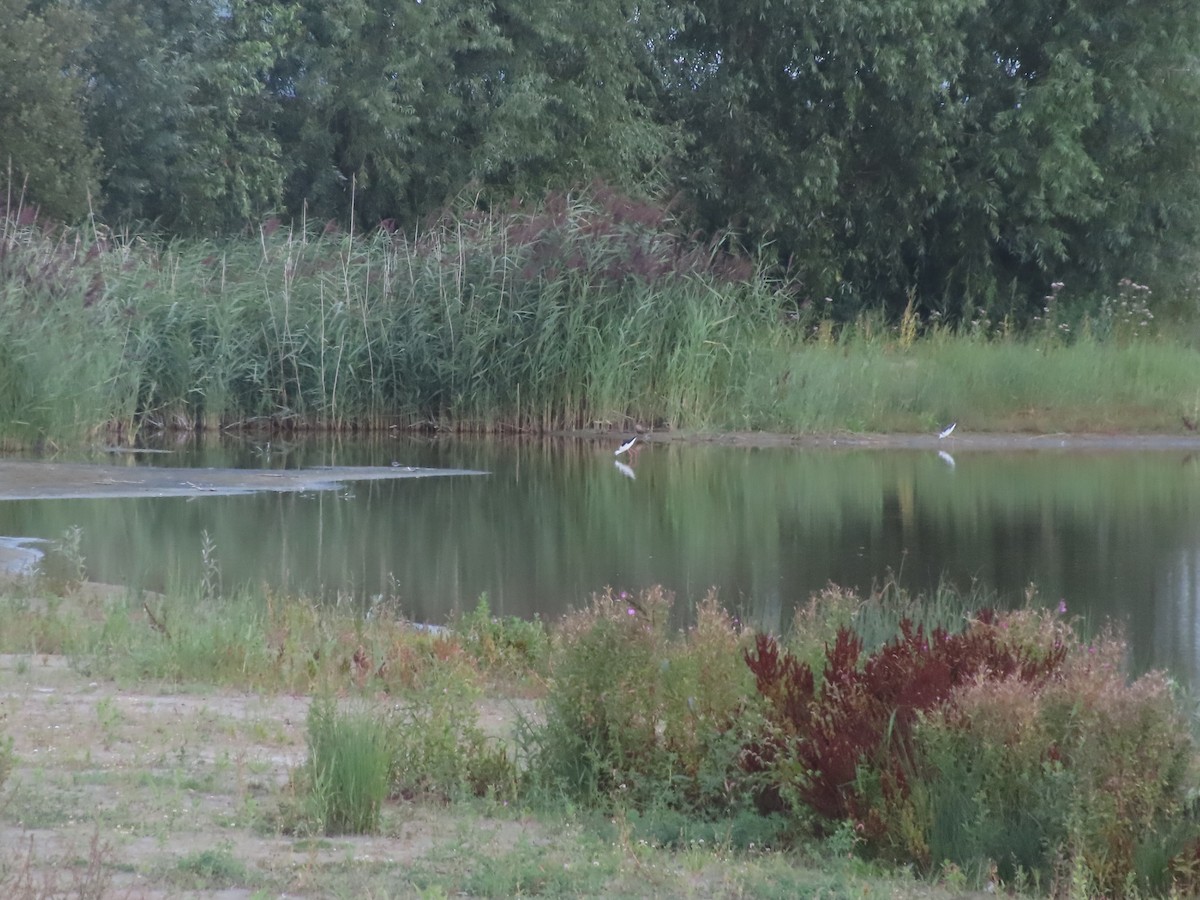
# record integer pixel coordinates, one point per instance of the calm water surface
(1111, 534)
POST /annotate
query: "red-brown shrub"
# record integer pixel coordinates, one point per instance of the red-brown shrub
(863, 714)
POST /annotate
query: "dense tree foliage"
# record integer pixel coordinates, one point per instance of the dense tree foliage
(407, 104)
(179, 105)
(969, 152)
(830, 128)
(43, 146)
(965, 153)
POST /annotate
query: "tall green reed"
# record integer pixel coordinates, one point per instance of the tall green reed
(62, 350)
(587, 310)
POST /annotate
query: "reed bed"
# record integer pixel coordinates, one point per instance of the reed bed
(582, 313)
(588, 311)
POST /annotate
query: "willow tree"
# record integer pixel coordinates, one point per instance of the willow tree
(966, 152)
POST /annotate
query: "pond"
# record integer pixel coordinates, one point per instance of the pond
(1111, 534)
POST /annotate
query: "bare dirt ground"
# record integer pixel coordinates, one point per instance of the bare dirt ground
(134, 793)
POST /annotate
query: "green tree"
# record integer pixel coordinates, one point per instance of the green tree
(367, 109)
(43, 145)
(1077, 160)
(178, 102)
(407, 104)
(567, 95)
(967, 152)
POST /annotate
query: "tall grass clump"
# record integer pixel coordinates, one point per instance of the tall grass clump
(64, 343)
(439, 750)
(347, 775)
(248, 639)
(7, 757)
(184, 638)
(1114, 369)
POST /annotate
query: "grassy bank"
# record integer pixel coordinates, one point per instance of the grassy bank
(886, 746)
(589, 312)
(873, 384)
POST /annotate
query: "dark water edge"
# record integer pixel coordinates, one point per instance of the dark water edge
(1113, 534)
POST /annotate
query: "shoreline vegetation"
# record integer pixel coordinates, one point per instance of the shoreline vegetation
(886, 745)
(585, 314)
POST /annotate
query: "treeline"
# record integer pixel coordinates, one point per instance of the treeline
(956, 153)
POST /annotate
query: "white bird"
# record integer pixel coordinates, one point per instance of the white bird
(628, 445)
(947, 431)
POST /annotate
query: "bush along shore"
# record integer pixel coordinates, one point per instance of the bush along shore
(589, 310)
(918, 743)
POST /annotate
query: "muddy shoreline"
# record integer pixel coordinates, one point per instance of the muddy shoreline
(31, 480)
(959, 440)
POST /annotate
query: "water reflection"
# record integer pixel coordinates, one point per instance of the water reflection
(1113, 534)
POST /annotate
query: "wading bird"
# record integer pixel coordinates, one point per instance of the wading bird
(947, 431)
(632, 446)
(627, 447)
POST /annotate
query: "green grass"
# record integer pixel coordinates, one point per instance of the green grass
(527, 322)
(1005, 384)
(470, 324)
(248, 639)
(212, 869)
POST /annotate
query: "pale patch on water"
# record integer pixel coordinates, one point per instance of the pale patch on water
(17, 557)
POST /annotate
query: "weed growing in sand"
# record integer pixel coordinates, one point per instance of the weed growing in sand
(502, 645)
(216, 868)
(109, 719)
(64, 568)
(639, 714)
(347, 773)
(6, 757)
(439, 749)
(86, 875)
